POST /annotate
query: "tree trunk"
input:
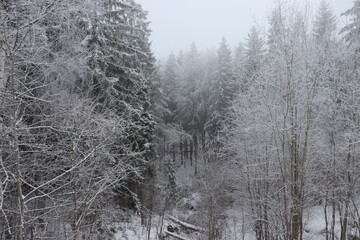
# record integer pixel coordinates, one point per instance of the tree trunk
(333, 215)
(75, 225)
(19, 186)
(2, 67)
(343, 235)
(195, 153)
(19, 192)
(326, 217)
(212, 219)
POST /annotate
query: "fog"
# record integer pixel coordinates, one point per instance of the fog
(178, 23)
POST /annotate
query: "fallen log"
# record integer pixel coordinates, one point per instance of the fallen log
(175, 235)
(186, 225)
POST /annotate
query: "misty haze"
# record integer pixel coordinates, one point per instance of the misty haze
(180, 120)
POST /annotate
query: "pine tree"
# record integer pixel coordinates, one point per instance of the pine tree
(352, 30)
(223, 89)
(191, 75)
(254, 54)
(124, 69)
(276, 36)
(170, 78)
(238, 66)
(324, 26)
(123, 66)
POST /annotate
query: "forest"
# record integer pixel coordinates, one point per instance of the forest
(100, 140)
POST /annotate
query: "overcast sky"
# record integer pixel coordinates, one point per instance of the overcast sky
(176, 24)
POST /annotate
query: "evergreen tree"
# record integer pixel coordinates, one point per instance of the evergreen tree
(277, 31)
(170, 78)
(325, 24)
(124, 68)
(254, 54)
(189, 81)
(223, 89)
(352, 31)
(238, 66)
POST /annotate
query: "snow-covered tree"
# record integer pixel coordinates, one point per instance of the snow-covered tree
(254, 54)
(75, 113)
(189, 81)
(238, 66)
(325, 69)
(351, 30)
(223, 89)
(325, 24)
(170, 78)
(272, 124)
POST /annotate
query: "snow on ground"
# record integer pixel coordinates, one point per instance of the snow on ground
(235, 228)
(133, 230)
(315, 224)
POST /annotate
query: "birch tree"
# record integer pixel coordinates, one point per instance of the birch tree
(276, 140)
(326, 69)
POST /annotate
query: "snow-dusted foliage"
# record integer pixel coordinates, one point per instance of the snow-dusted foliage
(98, 142)
(76, 129)
(286, 132)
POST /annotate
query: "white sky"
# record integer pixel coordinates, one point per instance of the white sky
(176, 24)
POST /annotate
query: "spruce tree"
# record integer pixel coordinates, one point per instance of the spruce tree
(325, 24)
(123, 68)
(254, 57)
(223, 89)
(170, 78)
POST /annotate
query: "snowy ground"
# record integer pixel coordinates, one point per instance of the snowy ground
(133, 230)
(315, 224)
(235, 228)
